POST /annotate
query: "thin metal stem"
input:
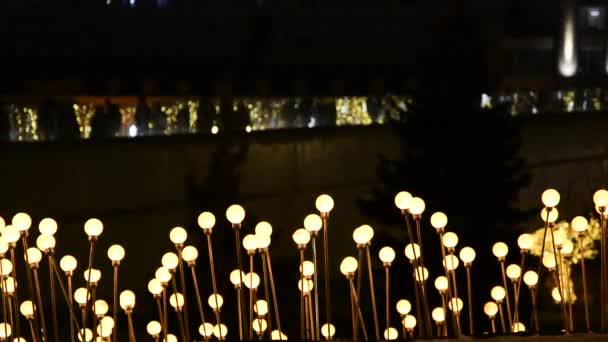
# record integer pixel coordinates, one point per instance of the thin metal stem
(32, 329)
(359, 281)
(356, 299)
(315, 279)
(542, 252)
(131, 330)
(559, 281)
(373, 292)
(502, 318)
(66, 295)
(214, 280)
(199, 302)
(387, 296)
(274, 296)
(302, 311)
(310, 318)
(447, 277)
(251, 296)
(493, 325)
(518, 293)
(562, 301)
(237, 241)
(326, 273)
(267, 295)
(161, 316)
(507, 300)
(115, 303)
(603, 271)
(568, 295)
(165, 311)
(86, 305)
(178, 310)
(4, 303)
(535, 310)
(10, 311)
(40, 307)
(182, 277)
(584, 276)
(470, 298)
(53, 301)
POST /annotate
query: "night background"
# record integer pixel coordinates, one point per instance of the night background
(145, 113)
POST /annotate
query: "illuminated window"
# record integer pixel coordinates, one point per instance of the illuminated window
(594, 18)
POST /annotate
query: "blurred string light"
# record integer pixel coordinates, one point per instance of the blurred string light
(352, 111)
(24, 120)
(193, 106)
(127, 121)
(84, 114)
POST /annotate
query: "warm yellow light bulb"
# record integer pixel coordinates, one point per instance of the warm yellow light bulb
(47, 226)
(450, 240)
(403, 199)
(189, 253)
(579, 224)
(386, 255)
(127, 300)
(412, 251)
(500, 250)
(328, 331)
(550, 198)
(313, 223)
(391, 334)
(22, 221)
(498, 293)
(490, 309)
(549, 216)
(178, 235)
(600, 198)
(513, 272)
(531, 278)
(324, 203)
(235, 214)
(439, 220)
(93, 227)
(409, 322)
(450, 262)
(549, 261)
(348, 266)
(170, 261)
(153, 328)
(263, 228)
(404, 307)
(417, 206)
(525, 242)
(301, 237)
(116, 253)
(206, 221)
(441, 283)
(467, 255)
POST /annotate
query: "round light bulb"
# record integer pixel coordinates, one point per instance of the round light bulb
(404, 307)
(500, 250)
(163, 275)
(189, 253)
(170, 338)
(80, 295)
(313, 223)
(22, 221)
(6, 266)
(127, 300)
(10, 285)
(421, 274)
(513, 272)
(305, 285)
(170, 261)
(348, 266)
(92, 275)
(153, 328)
(531, 278)
(441, 283)
(47, 226)
(220, 331)
(450, 240)
(498, 293)
(556, 295)
(259, 325)
(403, 199)
(549, 261)
(85, 335)
(34, 256)
(600, 198)
(467, 255)
(567, 248)
(363, 234)
(324, 203)
(409, 322)
(11, 234)
(328, 331)
(93, 227)
(176, 300)
(525, 242)
(27, 309)
(178, 235)
(5, 331)
(276, 335)
(263, 228)
(518, 327)
(552, 215)
(391, 334)
(235, 278)
(439, 220)
(263, 241)
(579, 224)
(455, 304)
(3, 245)
(386, 255)
(154, 287)
(412, 251)
(45, 242)
(251, 280)
(438, 315)
(417, 206)
(550, 198)
(307, 268)
(105, 328)
(250, 243)
(68, 264)
(559, 238)
(301, 237)
(450, 262)
(235, 214)
(490, 309)
(261, 307)
(101, 307)
(206, 221)
(206, 329)
(116, 253)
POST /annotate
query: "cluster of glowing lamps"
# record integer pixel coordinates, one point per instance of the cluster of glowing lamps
(258, 315)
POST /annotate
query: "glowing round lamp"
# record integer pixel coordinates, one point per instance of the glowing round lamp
(391, 334)
(116, 253)
(163, 275)
(80, 296)
(235, 278)
(47, 226)
(550, 198)
(250, 243)
(68, 264)
(92, 275)
(552, 215)
(189, 254)
(10, 285)
(127, 300)
(518, 327)
(567, 248)
(176, 301)
(386, 255)
(3, 245)
(101, 307)
(5, 331)
(215, 301)
(45, 243)
(170, 261)
(403, 199)
(490, 309)
(263, 241)
(441, 283)
(276, 335)
(498, 293)
(85, 335)
(93, 227)
(439, 220)
(34, 256)
(170, 338)
(251, 280)
(438, 315)
(206, 221)
(450, 240)
(450, 262)
(525, 242)
(259, 325)
(263, 228)
(417, 206)
(305, 285)
(531, 278)
(363, 234)
(178, 235)
(307, 268)
(549, 261)
(412, 251)
(455, 304)
(467, 255)
(6, 266)
(404, 307)
(600, 198)
(154, 287)
(500, 250)
(556, 295)
(261, 307)
(328, 331)
(348, 266)
(206, 329)
(313, 223)
(579, 224)
(11, 234)
(235, 214)
(324, 203)
(27, 309)
(421, 274)
(559, 238)
(513, 272)
(409, 322)
(153, 328)
(301, 237)
(22, 221)
(219, 331)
